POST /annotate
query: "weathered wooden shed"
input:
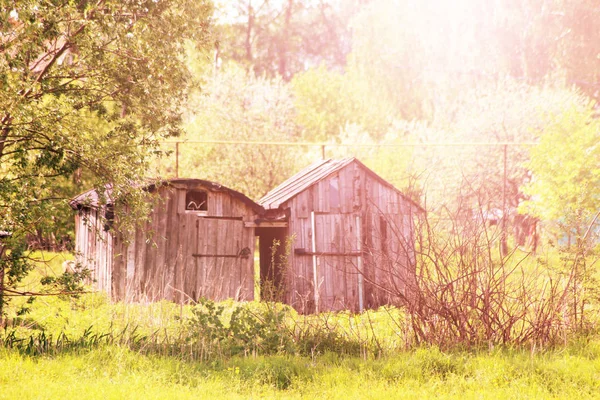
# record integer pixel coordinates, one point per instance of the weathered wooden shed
(351, 235)
(198, 242)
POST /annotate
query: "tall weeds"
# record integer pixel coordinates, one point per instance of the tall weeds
(467, 293)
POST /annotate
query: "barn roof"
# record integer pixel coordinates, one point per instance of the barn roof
(91, 199)
(313, 174)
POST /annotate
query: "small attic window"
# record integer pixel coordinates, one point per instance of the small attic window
(196, 200)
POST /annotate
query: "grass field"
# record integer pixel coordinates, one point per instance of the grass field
(89, 348)
(114, 372)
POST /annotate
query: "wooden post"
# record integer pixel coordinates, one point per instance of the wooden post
(361, 302)
(314, 260)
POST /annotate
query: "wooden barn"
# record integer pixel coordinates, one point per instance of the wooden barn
(198, 242)
(350, 238)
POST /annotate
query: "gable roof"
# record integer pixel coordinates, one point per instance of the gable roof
(313, 174)
(91, 199)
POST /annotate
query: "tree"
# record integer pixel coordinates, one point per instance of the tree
(565, 184)
(238, 106)
(327, 100)
(86, 85)
(281, 38)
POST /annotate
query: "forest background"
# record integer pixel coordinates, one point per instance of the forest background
(381, 80)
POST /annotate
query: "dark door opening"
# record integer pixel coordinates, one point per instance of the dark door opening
(272, 251)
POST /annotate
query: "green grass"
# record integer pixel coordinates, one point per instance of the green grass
(115, 372)
(89, 348)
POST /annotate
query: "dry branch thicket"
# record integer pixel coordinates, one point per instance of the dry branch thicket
(465, 293)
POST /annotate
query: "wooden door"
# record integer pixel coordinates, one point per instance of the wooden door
(337, 254)
(223, 254)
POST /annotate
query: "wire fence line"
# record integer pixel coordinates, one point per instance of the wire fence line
(324, 146)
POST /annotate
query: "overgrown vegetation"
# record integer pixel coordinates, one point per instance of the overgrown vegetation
(230, 350)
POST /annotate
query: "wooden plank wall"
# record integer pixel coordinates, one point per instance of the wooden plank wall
(158, 262)
(385, 271)
(337, 274)
(389, 244)
(94, 247)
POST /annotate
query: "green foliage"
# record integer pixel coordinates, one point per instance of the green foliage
(237, 106)
(251, 329)
(87, 90)
(565, 185)
(327, 101)
(70, 282)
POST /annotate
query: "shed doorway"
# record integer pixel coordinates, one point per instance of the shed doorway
(273, 261)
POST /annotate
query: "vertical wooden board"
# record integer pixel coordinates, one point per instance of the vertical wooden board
(211, 262)
(295, 267)
(149, 275)
(250, 238)
(338, 284)
(110, 262)
(179, 258)
(310, 200)
(239, 288)
(218, 203)
(140, 245)
(181, 273)
(328, 267)
(324, 184)
(161, 252)
(364, 189)
(171, 242)
(319, 196)
(155, 265)
(211, 203)
(246, 269)
(192, 262)
(206, 263)
(130, 271)
(238, 209)
(225, 203)
(246, 265)
(117, 270)
(352, 267)
(342, 190)
(199, 285)
(224, 267)
(337, 273)
(229, 266)
(180, 196)
(239, 265)
(300, 205)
